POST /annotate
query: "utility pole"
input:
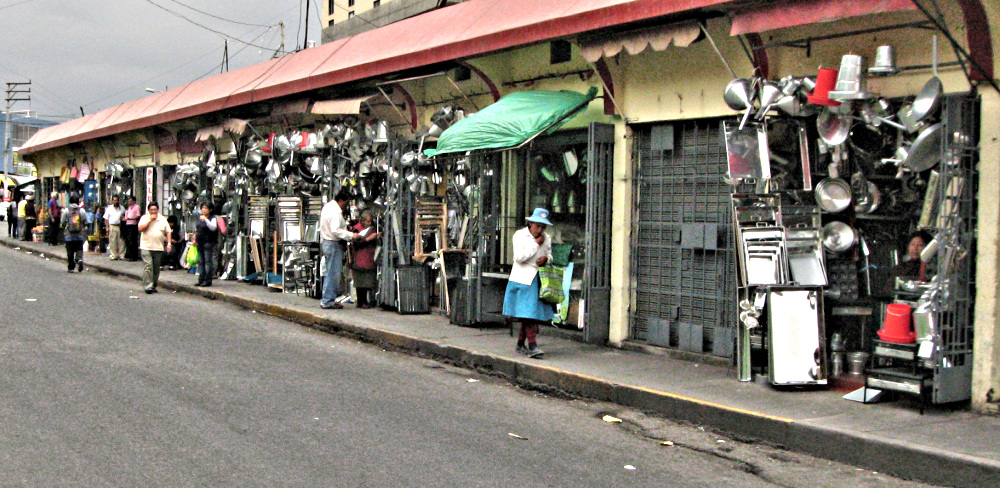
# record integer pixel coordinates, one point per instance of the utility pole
(16, 92)
(281, 48)
(305, 39)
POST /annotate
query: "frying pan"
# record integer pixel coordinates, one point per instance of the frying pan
(925, 152)
(929, 98)
(833, 128)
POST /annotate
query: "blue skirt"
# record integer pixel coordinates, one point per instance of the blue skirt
(521, 301)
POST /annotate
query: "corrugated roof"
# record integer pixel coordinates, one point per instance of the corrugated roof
(468, 29)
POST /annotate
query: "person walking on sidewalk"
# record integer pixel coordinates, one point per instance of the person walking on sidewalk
(532, 248)
(206, 236)
(363, 259)
(131, 230)
(333, 229)
(53, 223)
(12, 219)
(113, 222)
(154, 240)
(73, 220)
(30, 218)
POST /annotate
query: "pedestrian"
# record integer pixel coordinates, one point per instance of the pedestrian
(335, 235)
(22, 210)
(52, 224)
(532, 248)
(172, 260)
(154, 240)
(206, 236)
(12, 219)
(30, 217)
(113, 221)
(73, 220)
(131, 231)
(363, 259)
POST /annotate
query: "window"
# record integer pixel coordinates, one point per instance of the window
(350, 3)
(350, 14)
(376, 3)
(462, 73)
(331, 5)
(559, 52)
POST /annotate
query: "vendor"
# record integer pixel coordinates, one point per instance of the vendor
(913, 268)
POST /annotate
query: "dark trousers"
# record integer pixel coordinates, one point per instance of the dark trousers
(12, 227)
(74, 254)
(28, 225)
(206, 262)
(364, 297)
(131, 238)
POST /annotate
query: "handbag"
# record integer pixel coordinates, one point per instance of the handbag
(550, 280)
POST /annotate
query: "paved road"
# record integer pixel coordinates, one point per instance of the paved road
(102, 385)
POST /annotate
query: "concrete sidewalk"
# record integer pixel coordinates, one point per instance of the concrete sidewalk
(943, 446)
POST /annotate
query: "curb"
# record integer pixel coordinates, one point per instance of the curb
(898, 458)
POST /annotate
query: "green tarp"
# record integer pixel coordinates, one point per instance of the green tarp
(513, 119)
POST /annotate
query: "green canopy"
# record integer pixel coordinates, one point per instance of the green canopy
(512, 120)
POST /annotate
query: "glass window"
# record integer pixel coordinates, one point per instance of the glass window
(331, 5)
(376, 3)
(350, 14)
(350, 3)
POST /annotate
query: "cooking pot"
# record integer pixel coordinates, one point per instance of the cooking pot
(838, 237)
(833, 195)
(869, 201)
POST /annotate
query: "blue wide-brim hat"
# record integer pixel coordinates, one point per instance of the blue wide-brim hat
(540, 216)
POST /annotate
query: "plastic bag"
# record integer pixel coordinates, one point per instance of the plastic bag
(550, 284)
(192, 256)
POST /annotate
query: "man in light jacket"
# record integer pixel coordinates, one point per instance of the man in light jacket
(335, 235)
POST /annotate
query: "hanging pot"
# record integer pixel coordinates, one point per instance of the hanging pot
(838, 237)
(833, 195)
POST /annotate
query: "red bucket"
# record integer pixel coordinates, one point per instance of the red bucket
(897, 326)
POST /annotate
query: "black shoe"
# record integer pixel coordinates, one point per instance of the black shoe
(79, 266)
(155, 290)
(69, 270)
(150, 291)
(200, 284)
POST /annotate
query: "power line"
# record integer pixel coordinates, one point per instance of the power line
(16, 4)
(182, 16)
(216, 16)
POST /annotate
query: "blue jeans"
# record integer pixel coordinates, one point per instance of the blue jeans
(333, 252)
(206, 263)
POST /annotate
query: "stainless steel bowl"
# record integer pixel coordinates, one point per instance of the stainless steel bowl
(833, 195)
(838, 237)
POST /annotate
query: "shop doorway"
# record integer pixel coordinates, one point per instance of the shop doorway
(683, 286)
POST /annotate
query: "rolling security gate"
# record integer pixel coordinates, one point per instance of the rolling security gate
(683, 285)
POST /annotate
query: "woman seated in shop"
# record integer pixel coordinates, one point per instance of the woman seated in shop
(913, 268)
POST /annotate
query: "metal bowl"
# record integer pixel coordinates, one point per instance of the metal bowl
(838, 237)
(833, 195)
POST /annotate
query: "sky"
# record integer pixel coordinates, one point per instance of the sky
(97, 54)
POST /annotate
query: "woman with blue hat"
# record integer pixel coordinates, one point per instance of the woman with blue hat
(532, 248)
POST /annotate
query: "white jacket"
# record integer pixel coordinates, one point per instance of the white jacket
(526, 254)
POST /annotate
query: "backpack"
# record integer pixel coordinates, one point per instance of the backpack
(74, 224)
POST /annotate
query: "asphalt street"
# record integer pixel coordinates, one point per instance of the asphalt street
(103, 385)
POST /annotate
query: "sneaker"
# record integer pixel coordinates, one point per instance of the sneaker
(522, 350)
(535, 353)
(79, 266)
(332, 306)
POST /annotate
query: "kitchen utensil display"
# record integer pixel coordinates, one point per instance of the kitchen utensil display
(925, 153)
(764, 256)
(838, 237)
(769, 93)
(833, 195)
(738, 94)
(850, 81)
(805, 256)
(833, 127)
(869, 199)
(929, 98)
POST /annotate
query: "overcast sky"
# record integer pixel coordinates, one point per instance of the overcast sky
(100, 53)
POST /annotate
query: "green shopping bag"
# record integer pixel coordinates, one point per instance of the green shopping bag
(550, 284)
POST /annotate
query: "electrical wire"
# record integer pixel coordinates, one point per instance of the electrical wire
(216, 16)
(182, 16)
(16, 4)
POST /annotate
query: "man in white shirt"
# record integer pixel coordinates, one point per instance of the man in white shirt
(112, 221)
(334, 235)
(154, 240)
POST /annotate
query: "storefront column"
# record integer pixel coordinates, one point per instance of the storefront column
(986, 351)
(620, 235)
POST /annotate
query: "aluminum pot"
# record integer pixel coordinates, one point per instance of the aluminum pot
(833, 195)
(838, 237)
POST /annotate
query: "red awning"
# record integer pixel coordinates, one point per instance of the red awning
(464, 30)
(778, 15)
